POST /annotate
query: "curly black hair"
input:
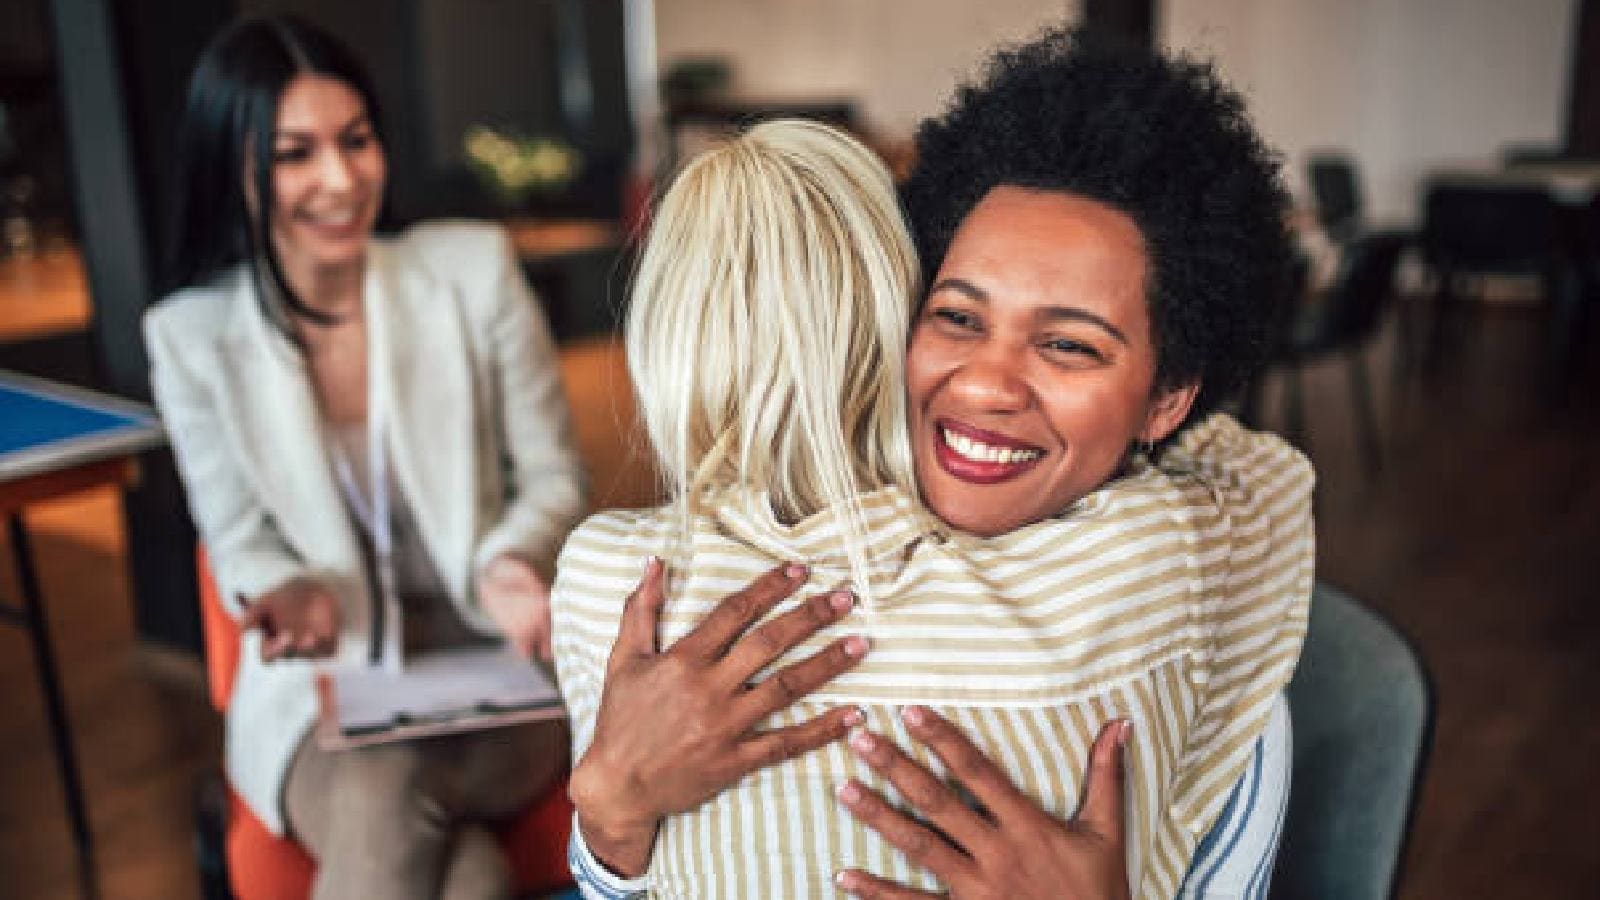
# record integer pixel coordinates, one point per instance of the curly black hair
(1162, 139)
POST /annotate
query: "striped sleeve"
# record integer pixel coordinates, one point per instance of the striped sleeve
(1258, 593)
(595, 573)
(595, 881)
(1234, 861)
(593, 579)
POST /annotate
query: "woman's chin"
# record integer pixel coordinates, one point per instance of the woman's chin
(984, 507)
(324, 248)
(961, 517)
(333, 257)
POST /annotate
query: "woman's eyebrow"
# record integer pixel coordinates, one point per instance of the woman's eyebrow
(1047, 314)
(1077, 314)
(359, 120)
(961, 286)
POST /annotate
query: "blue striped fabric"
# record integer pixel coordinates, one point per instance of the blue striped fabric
(595, 882)
(1234, 860)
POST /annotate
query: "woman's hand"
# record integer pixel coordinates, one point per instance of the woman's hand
(298, 618)
(676, 727)
(1017, 850)
(517, 599)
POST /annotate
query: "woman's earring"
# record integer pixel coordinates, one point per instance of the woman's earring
(1146, 448)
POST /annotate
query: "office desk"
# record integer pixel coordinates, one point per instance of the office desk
(55, 441)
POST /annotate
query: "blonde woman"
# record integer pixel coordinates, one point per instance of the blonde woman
(769, 316)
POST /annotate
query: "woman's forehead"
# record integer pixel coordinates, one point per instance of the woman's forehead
(312, 103)
(1047, 248)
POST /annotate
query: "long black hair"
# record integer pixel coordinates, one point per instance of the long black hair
(231, 110)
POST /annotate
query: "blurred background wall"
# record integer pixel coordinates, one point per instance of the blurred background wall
(896, 58)
(1404, 85)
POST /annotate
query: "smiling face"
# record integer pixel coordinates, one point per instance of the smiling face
(1031, 367)
(328, 172)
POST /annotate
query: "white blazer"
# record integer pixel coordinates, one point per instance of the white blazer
(479, 440)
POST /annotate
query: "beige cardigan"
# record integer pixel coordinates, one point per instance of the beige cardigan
(480, 438)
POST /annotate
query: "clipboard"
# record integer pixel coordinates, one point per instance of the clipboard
(436, 693)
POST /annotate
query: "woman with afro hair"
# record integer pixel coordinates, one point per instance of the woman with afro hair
(1101, 233)
(1066, 141)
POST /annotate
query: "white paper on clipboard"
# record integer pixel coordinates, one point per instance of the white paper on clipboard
(437, 692)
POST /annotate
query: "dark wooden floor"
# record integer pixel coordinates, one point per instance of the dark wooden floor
(1480, 538)
(142, 740)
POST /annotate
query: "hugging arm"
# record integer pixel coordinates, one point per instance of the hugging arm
(1012, 849)
(1021, 852)
(595, 881)
(1234, 860)
(675, 727)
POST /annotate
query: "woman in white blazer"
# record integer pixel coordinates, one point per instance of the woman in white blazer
(376, 451)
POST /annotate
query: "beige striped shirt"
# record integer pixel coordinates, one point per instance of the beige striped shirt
(1176, 596)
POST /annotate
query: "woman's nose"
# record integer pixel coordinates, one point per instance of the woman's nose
(337, 172)
(991, 380)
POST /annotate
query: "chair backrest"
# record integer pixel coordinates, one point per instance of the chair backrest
(1589, 232)
(219, 633)
(1530, 153)
(1489, 227)
(1337, 194)
(1363, 712)
(1352, 307)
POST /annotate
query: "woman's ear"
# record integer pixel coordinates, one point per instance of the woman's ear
(1168, 407)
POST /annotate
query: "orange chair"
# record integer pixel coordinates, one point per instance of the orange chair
(264, 866)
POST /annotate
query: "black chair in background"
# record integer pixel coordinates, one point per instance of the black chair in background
(1475, 229)
(1337, 191)
(1342, 319)
(1530, 153)
(1572, 316)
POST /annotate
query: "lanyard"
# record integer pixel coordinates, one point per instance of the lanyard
(377, 518)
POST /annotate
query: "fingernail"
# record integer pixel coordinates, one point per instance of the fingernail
(856, 646)
(914, 716)
(849, 793)
(650, 563)
(862, 740)
(854, 716)
(845, 881)
(841, 601)
(795, 572)
(1123, 732)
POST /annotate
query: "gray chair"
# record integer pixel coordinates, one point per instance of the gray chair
(1363, 715)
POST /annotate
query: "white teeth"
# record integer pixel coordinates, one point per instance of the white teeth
(336, 219)
(981, 452)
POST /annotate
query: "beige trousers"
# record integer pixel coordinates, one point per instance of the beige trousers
(407, 820)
